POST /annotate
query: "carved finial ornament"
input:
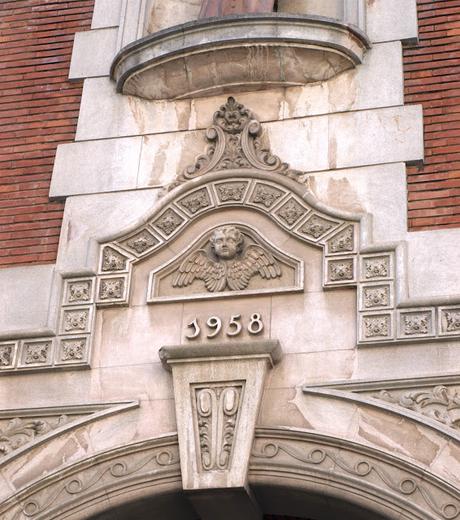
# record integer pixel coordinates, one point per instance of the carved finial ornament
(235, 143)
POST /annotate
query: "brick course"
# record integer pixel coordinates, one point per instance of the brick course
(38, 110)
(432, 78)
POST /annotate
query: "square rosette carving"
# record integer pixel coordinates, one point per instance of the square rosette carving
(36, 353)
(76, 320)
(8, 354)
(376, 327)
(112, 290)
(231, 192)
(78, 291)
(340, 271)
(449, 321)
(169, 222)
(73, 350)
(141, 243)
(316, 227)
(377, 267)
(113, 260)
(265, 196)
(344, 241)
(196, 202)
(416, 323)
(376, 296)
(291, 212)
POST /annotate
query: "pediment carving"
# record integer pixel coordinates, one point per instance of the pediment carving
(228, 260)
(235, 142)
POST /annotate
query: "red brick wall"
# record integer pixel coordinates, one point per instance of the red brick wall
(432, 78)
(38, 110)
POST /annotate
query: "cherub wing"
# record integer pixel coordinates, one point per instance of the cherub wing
(256, 260)
(199, 266)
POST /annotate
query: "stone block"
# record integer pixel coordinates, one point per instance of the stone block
(318, 321)
(376, 83)
(434, 252)
(92, 53)
(104, 113)
(26, 292)
(95, 166)
(379, 190)
(389, 20)
(106, 13)
(94, 217)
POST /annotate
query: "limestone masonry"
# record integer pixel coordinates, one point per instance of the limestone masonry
(238, 319)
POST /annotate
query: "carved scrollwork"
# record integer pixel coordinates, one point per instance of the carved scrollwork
(217, 413)
(440, 403)
(362, 468)
(106, 472)
(19, 432)
(235, 142)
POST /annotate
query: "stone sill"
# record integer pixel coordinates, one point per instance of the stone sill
(234, 53)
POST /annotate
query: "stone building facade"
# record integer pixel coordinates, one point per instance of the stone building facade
(238, 322)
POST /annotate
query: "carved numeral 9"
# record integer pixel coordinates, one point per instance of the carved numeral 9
(214, 323)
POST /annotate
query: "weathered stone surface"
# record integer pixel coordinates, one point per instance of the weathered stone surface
(106, 13)
(108, 165)
(392, 20)
(92, 53)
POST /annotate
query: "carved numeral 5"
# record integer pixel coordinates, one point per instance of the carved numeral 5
(234, 326)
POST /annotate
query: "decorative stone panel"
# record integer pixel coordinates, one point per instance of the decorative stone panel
(196, 202)
(141, 242)
(342, 242)
(340, 271)
(78, 291)
(231, 192)
(36, 353)
(73, 350)
(376, 327)
(112, 290)
(8, 352)
(376, 296)
(316, 227)
(113, 260)
(266, 195)
(416, 323)
(376, 267)
(169, 222)
(76, 320)
(291, 212)
(449, 320)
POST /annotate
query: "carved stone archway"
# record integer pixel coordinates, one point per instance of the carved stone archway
(312, 470)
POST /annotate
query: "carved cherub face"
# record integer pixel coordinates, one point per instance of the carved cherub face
(227, 242)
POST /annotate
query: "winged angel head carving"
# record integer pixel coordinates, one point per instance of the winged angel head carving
(227, 263)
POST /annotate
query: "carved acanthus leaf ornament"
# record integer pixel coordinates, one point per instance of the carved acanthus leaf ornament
(19, 432)
(234, 143)
(440, 403)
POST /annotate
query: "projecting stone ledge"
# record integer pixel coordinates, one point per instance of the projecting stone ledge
(234, 53)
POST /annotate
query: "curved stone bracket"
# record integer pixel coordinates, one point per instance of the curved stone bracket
(215, 55)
